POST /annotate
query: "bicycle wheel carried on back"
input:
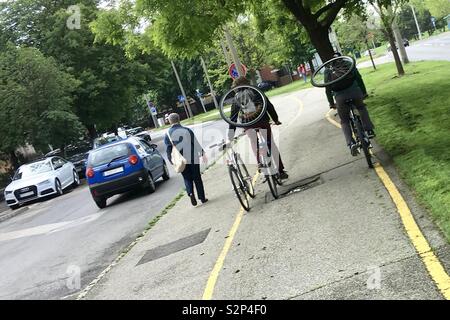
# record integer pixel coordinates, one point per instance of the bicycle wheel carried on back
(243, 106)
(333, 71)
(239, 188)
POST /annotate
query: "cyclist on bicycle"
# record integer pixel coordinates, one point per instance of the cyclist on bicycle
(349, 88)
(253, 106)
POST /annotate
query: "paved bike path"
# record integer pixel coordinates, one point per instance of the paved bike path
(338, 238)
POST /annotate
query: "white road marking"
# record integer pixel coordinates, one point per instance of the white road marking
(49, 228)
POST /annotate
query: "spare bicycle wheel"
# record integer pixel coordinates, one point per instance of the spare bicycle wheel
(243, 106)
(333, 71)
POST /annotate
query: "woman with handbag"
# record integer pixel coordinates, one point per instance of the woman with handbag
(183, 152)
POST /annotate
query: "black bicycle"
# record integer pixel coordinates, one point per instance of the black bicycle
(239, 176)
(333, 72)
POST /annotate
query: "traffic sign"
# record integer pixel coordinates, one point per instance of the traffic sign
(181, 98)
(152, 108)
(232, 70)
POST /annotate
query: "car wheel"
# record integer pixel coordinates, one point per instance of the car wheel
(58, 188)
(151, 186)
(100, 202)
(166, 175)
(15, 206)
(76, 180)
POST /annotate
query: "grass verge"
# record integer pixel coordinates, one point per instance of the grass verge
(295, 86)
(412, 118)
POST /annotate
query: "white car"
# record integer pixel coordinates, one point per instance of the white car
(40, 179)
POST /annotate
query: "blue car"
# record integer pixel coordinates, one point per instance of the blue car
(122, 166)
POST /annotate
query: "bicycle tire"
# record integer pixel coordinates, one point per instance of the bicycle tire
(242, 169)
(278, 179)
(363, 141)
(247, 124)
(271, 181)
(243, 200)
(327, 64)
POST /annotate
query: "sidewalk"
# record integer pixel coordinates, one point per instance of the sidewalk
(338, 238)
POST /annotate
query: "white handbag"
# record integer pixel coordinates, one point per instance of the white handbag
(178, 161)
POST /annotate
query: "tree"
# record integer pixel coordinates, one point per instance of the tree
(438, 8)
(387, 9)
(35, 102)
(109, 80)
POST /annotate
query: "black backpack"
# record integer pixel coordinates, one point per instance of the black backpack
(344, 83)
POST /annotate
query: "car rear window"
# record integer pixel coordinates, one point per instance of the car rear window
(105, 155)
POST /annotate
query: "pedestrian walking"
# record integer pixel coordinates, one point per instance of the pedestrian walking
(184, 140)
(302, 72)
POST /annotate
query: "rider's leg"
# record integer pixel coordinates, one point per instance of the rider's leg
(344, 114)
(361, 106)
(253, 137)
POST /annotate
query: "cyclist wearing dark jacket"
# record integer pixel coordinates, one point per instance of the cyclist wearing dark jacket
(351, 87)
(263, 124)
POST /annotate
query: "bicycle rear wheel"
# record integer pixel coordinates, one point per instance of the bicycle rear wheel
(245, 176)
(238, 188)
(364, 142)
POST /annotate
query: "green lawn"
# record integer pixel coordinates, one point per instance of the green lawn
(412, 118)
(295, 86)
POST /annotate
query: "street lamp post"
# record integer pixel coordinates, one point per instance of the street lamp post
(417, 23)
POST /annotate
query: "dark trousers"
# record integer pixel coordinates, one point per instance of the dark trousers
(267, 134)
(192, 175)
(344, 112)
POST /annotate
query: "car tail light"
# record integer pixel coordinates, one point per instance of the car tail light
(90, 173)
(133, 159)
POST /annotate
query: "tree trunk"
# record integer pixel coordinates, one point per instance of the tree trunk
(321, 41)
(92, 132)
(398, 62)
(14, 160)
(399, 39)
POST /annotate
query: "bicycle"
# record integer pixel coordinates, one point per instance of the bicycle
(243, 106)
(240, 178)
(331, 73)
(268, 165)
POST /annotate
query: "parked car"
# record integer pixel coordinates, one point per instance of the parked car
(98, 142)
(266, 85)
(144, 135)
(78, 154)
(40, 179)
(123, 166)
(75, 153)
(134, 131)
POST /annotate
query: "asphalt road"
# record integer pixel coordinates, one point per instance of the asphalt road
(44, 247)
(433, 48)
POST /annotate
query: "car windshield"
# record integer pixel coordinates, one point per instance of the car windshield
(105, 155)
(32, 169)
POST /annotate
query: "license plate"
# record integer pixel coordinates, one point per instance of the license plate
(26, 194)
(113, 171)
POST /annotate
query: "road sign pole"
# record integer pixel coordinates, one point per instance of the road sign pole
(211, 89)
(233, 51)
(189, 111)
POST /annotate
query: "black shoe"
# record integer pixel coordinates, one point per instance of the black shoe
(371, 134)
(204, 201)
(284, 175)
(354, 149)
(193, 200)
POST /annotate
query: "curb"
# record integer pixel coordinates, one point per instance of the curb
(13, 214)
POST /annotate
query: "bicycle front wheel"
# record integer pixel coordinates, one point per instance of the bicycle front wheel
(245, 176)
(238, 188)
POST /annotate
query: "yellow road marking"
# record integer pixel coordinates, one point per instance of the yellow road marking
(210, 285)
(430, 260)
